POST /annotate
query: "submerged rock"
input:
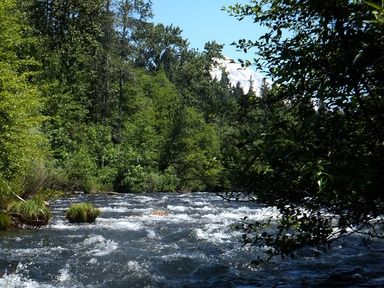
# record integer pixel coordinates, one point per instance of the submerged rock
(159, 213)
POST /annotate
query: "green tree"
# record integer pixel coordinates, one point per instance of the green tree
(193, 79)
(312, 164)
(160, 47)
(21, 140)
(163, 140)
(130, 19)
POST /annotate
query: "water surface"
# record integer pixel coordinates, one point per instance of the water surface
(191, 243)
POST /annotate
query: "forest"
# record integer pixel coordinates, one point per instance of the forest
(94, 97)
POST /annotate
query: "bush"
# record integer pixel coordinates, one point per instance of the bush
(152, 182)
(82, 213)
(82, 171)
(31, 212)
(170, 181)
(5, 221)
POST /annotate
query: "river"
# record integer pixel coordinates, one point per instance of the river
(169, 240)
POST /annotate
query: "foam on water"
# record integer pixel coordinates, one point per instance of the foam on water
(114, 209)
(97, 245)
(62, 224)
(203, 209)
(16, 279)
(151, 234)
(213, 235)
(180, 255)
(178, 208)
(121, 224)
(134, 266)
(64, 276)
(170, 218)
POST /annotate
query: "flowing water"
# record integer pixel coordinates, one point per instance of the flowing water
(191, 243)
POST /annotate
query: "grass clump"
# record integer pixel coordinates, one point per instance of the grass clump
(5, 221)
(32, 212)
(82, 213)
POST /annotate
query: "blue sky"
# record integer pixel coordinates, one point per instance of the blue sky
(203, 20)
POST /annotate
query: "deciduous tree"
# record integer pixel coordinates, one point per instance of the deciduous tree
(318, 155)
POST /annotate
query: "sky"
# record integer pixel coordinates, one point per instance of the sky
(203, 21)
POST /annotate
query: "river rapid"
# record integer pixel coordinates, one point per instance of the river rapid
(169, 240)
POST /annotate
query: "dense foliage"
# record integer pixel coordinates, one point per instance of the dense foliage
(94, 97)
(316, 145)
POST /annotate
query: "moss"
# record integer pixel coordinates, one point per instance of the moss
(82, 213)
(31, 212)
(5, 221)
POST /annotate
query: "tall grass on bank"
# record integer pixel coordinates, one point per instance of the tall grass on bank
(33, 213)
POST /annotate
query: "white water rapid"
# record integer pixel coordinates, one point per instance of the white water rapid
(169, 240)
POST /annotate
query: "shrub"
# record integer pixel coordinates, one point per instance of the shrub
(31, 212)
(132, 179)
(82, 170)
(170, 181)
(5, 221)
(152, 182)
(82, 213)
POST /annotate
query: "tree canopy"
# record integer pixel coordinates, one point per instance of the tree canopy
(318, 147)
(96, 97)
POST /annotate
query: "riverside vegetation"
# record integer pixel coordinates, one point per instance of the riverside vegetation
(82, 213)
(94, 97)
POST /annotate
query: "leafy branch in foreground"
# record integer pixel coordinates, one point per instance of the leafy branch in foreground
(316, 143)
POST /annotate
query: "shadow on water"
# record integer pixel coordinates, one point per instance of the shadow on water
(168, 240)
